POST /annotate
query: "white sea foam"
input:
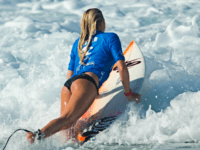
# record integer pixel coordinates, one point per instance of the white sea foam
(35, 42)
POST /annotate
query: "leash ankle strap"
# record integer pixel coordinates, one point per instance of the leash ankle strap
(39, 134)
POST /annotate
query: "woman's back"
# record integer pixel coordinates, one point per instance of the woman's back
(103, 52)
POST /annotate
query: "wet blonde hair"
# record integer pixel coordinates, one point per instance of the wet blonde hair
(90, 23)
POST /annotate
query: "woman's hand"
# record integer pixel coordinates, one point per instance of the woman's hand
(134, 97)
(31, 137)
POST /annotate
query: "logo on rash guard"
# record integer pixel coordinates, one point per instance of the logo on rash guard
(129, 64)
(87, 56)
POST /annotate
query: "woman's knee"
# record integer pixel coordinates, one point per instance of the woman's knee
(68, 120)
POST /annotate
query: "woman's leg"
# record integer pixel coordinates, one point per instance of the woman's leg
(65, 96)
(83, 95)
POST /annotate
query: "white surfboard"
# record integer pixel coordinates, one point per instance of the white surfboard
(111, 101)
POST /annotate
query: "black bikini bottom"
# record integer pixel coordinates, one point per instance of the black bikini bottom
(69, 82)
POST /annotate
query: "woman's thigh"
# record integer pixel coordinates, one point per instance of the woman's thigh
(65, 96)
(83, 95)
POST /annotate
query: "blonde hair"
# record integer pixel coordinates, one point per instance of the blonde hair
(90, 22)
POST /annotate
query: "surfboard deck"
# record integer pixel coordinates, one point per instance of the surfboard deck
(111, 101)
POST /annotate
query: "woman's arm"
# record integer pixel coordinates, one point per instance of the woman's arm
(124, 75)
(69, 74)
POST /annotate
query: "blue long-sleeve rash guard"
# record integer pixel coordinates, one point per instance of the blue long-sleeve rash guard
(104, 51)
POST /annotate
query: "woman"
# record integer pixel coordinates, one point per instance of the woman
(92, 58)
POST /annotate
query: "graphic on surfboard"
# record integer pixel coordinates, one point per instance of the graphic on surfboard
(111, 101)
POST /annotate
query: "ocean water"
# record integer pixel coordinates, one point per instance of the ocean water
(36, 37)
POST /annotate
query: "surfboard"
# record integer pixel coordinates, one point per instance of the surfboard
(111, 101)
